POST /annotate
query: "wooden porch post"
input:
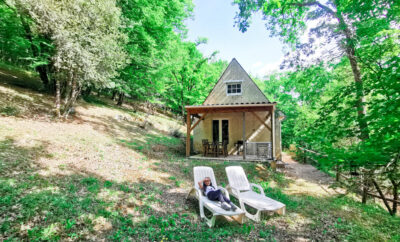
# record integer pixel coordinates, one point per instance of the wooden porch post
(244, 136)
(273, 132)
(188, 125)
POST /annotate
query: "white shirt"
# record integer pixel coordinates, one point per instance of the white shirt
(209, 189)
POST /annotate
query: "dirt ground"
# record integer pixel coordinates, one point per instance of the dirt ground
(307, 179)
(305, 171)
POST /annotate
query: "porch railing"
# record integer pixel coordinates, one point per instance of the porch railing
(259, 149)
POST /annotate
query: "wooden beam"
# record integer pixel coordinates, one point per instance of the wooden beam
(188, 124)
(198, 121)
(268, 115)
(229, 109)
(263, 122)
(244, 136)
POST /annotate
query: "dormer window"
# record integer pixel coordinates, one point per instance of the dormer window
(233, 87)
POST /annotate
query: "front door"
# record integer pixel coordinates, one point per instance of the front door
(225, 131)
(215, 130)
(220, 130)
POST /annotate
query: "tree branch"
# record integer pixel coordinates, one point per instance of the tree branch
(315, 3)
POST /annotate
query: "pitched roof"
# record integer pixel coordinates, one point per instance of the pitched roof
(251, 93)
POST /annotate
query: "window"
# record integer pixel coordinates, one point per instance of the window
(234, 89)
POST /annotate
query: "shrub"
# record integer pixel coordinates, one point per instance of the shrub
(9, 111)
(176, 133)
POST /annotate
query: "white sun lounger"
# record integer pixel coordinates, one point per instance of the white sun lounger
(199, 173)
(240, 188)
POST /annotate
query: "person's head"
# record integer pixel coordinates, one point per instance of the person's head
(207, 181)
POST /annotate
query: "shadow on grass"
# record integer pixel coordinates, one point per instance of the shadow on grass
(19, 96)
(18, 77)
(147, 139)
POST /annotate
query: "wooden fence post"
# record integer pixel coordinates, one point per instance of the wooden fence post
(395, 196)
(383, 197)
(337, 172)
(364, 193)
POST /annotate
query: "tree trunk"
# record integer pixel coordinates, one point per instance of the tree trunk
(182, 105)
(350, 52)
(114, 95)
(35, 52)
(43, 76)
(57, 101)
(87, 92)
(121, 99)
(75, 91)
(66, 91)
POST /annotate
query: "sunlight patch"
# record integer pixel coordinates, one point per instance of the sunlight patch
(101, 223)
(10, 91)
(109, 195)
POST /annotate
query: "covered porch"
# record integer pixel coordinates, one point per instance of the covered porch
(230, 158)
(243, 119)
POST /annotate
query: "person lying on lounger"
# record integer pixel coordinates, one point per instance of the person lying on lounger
(215, 194)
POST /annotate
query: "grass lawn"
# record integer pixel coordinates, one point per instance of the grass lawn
(82, 206)
(103, 176)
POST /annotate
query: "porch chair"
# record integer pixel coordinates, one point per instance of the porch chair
(214, 148)
(199, 173)
(206, 147)
(224, 148)
(240, 188)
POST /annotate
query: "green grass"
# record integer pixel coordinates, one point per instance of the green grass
(95, 101)
(82, 207)
(9, 110)
(168, 146)
(38, 205)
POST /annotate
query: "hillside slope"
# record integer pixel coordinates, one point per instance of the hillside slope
(119, 173)
(100, 139)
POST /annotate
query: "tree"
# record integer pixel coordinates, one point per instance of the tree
(335, 20)
(150, 25)
(190, 76)
(19, 45)
(87, 43)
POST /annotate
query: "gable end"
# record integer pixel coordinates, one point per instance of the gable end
(235, 74)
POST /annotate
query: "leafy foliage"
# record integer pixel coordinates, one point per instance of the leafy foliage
(346, 106)
(133, 49)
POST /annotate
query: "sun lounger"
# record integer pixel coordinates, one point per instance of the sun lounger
(199, 173)
(240, 188)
